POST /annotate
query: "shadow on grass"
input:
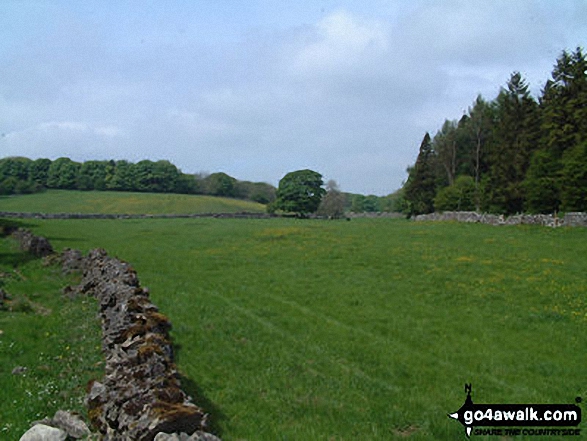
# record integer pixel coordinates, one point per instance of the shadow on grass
(215, 415)
(9, 226)
(65, 239)
(15, 259)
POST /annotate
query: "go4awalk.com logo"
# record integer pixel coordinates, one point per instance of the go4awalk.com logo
(518, 419)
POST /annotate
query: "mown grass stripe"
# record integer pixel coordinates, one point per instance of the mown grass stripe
(349, 367)
(395, 344)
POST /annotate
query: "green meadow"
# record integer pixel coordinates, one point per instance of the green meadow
(291, 329)
(52, 342)
(115, 202)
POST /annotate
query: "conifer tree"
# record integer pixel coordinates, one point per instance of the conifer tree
(515, 138)
(563, 109)
(574, 179)
(420, 188)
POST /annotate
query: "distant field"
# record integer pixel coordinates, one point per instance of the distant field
(62, 201)
(365, 330)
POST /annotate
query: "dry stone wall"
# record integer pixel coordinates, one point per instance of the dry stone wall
(243, 215)
(38, 246)
(375, 215)
(549, 220)
(140, 397)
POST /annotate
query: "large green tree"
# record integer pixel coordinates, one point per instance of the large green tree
(461, 196)
(300, 192)
(220, 184)
(15, 176)
(63, 174)
(156, 177)
(94, 175)
(446, 147)
(122, 177)
(255, 191)
(479, 127)
(39, 171)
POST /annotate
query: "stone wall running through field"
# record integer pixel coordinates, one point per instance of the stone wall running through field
(140, 397)
(243, 215)
(549, 220)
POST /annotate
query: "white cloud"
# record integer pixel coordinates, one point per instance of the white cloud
(64, 125)
(76, 127)
(108, 131)
(342, 41)
(75, 139)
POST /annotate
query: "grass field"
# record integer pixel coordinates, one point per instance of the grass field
(113, 202)
(322, 330)
(55, 339)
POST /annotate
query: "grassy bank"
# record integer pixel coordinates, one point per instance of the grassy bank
(53, 342)
(111, 202)
(316, 330)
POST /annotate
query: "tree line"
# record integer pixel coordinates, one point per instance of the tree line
(20, 175)
(510, 155)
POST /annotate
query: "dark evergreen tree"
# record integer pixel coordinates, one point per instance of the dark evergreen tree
(542, 183)
(563, 126)
(522, 156)
(420, 187)
(514, 139)
(574, 179)
(564, 104)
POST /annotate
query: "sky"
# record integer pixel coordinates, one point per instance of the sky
(260, 88)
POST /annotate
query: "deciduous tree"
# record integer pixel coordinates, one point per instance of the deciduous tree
(332, 204)
(300, 192)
